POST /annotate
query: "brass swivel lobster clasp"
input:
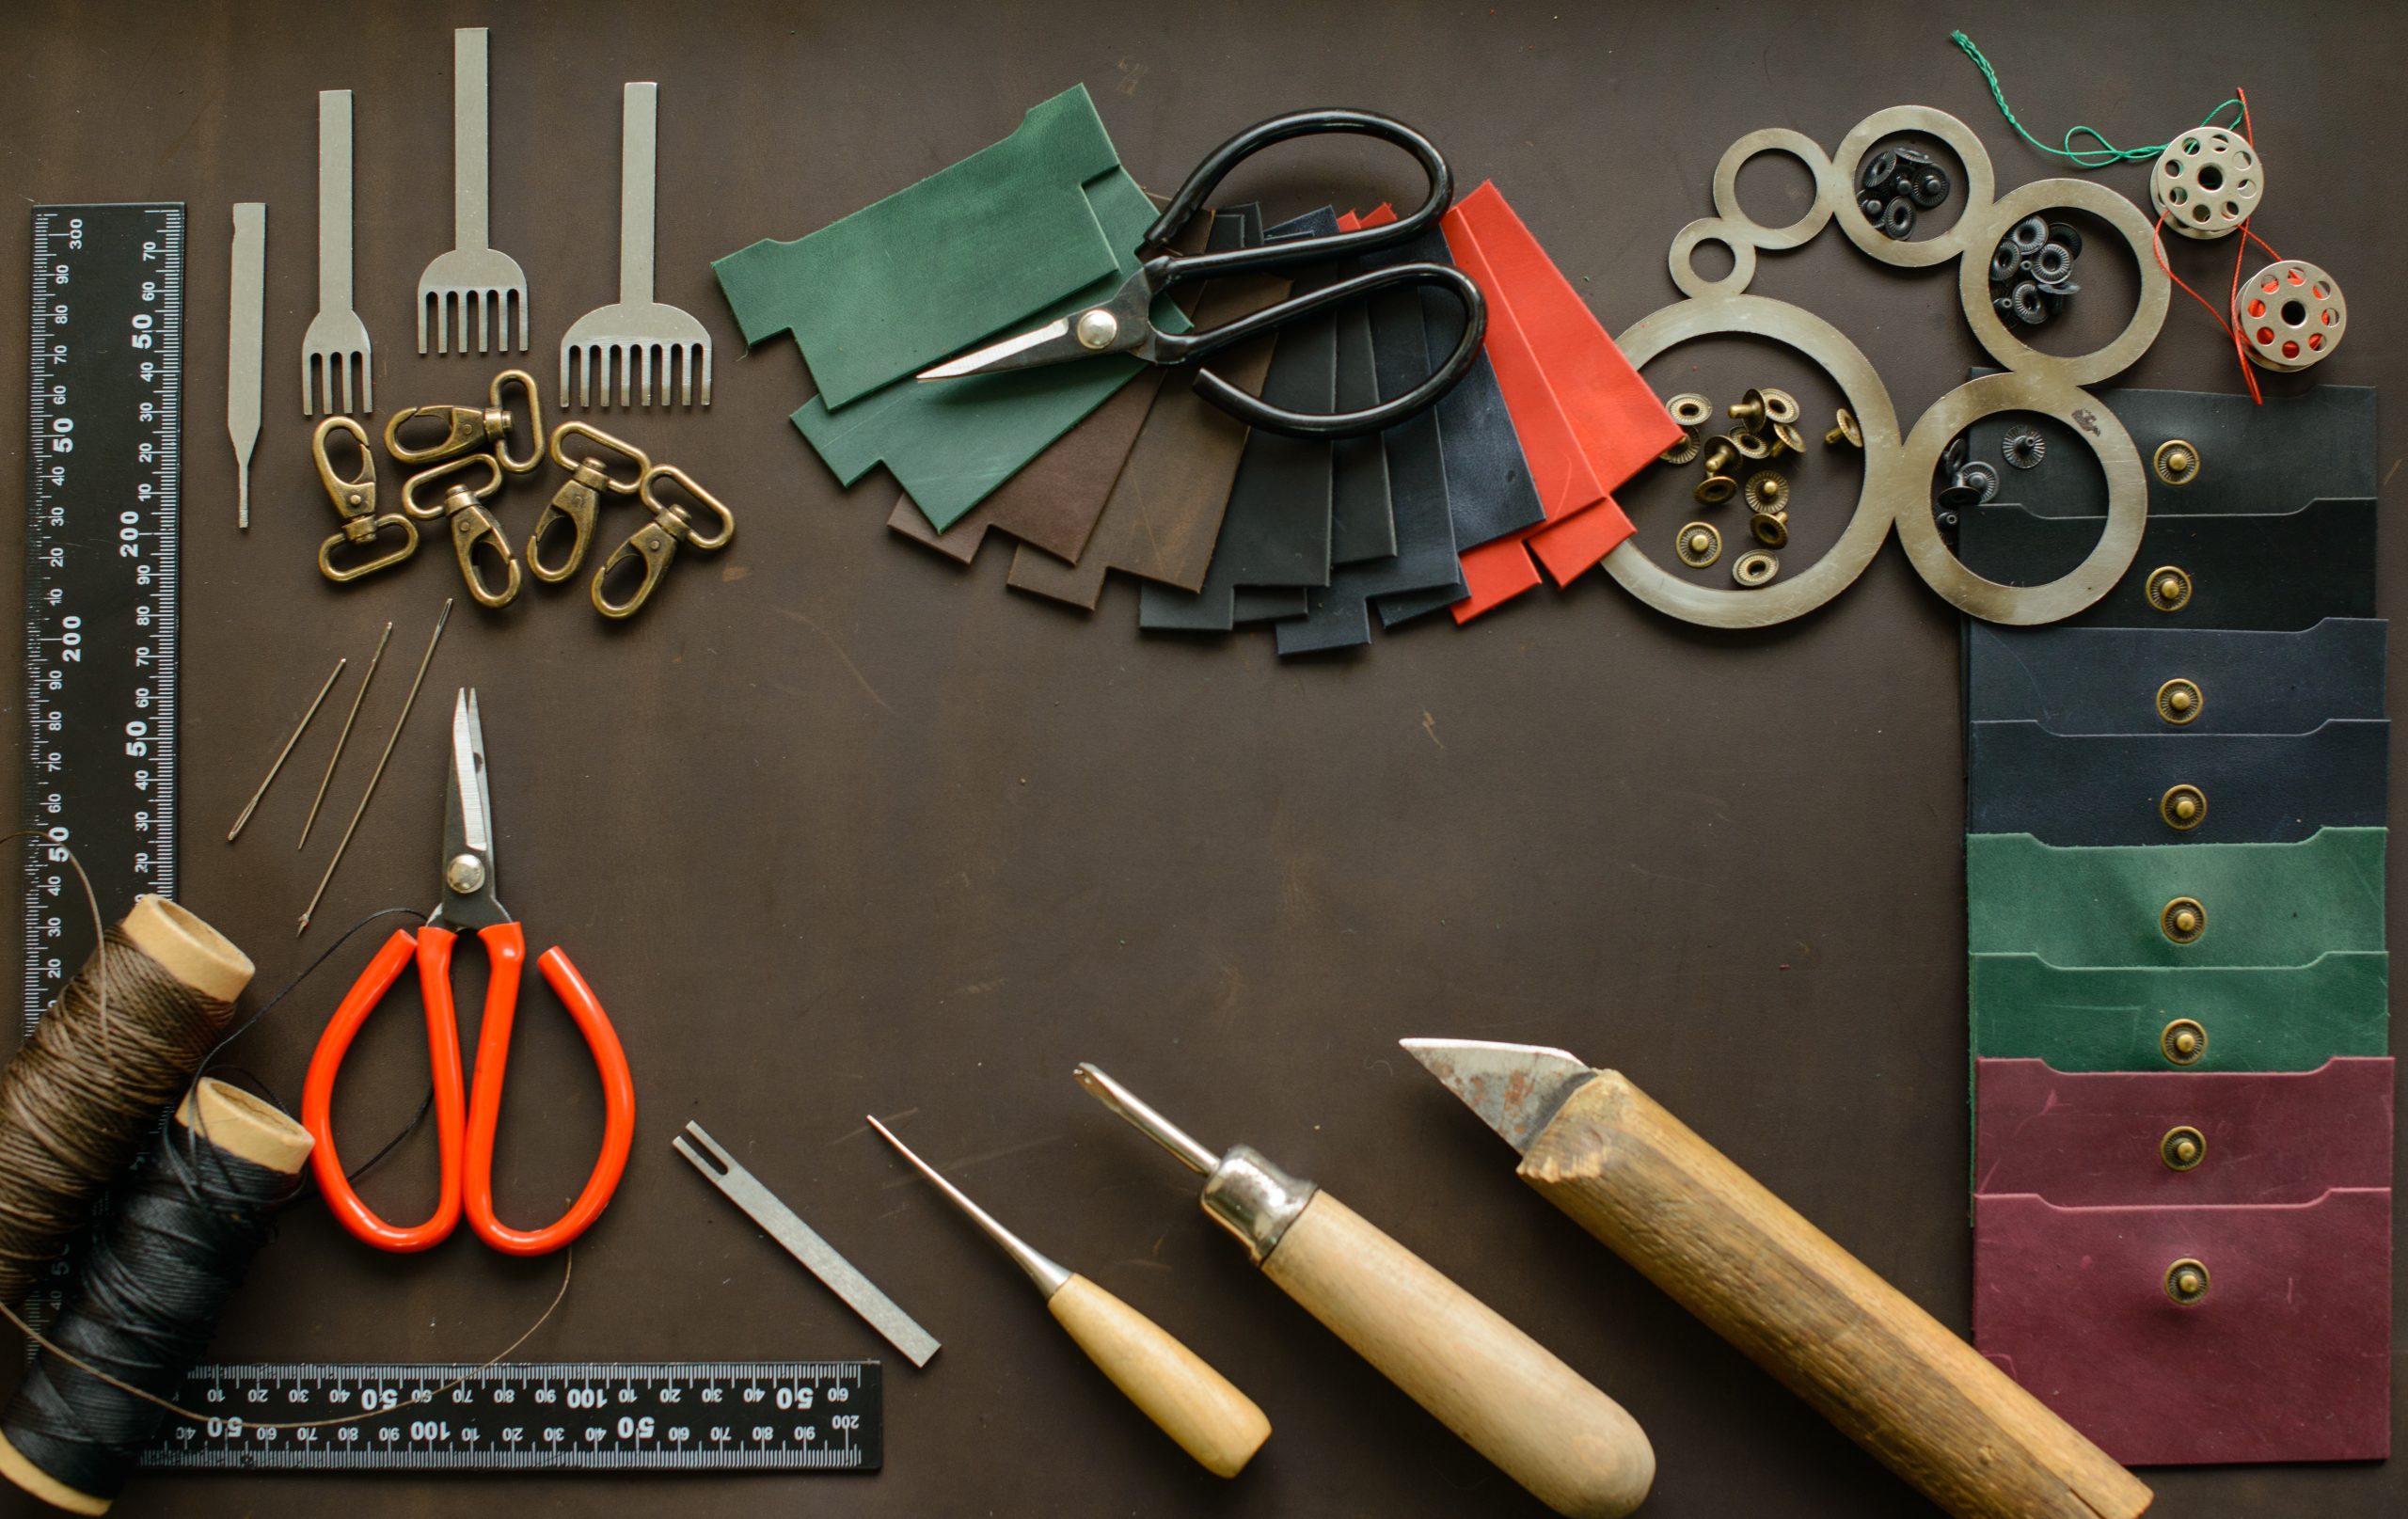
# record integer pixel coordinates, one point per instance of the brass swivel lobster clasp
(657, 540)
(354, 500)
(468, 428)
(579, 501)
(471, 524)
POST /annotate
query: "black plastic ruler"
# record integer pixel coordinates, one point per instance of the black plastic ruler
(101, 560)
(734, 1416)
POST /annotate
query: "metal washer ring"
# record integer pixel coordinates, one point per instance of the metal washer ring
(1712, 230)
(2119, 459)
(2148, 315)
(1830, 190)
(1887, 480)
(1981, 185)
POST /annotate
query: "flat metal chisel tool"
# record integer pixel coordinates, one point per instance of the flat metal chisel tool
(1891, 1377)
(803, 1242)
(1194, 1404)
(245, 327)
(1508, 1397)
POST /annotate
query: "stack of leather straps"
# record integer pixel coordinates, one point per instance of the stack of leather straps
(2176, 818)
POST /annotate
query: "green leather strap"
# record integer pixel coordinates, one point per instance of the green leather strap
(931, 270)
(2256, 1018)
(951, 442)
(2266, 904)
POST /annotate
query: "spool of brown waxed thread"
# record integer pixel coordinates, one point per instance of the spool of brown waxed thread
(81, 1096)
(189, 1224)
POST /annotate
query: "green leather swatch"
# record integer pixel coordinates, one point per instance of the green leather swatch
(951, 442)
(2257, 1017)
(931, 270)
(2267, 904)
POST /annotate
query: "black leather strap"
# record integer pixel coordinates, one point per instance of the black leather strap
(2106, 680)
(2253, 788)
(2281, 573)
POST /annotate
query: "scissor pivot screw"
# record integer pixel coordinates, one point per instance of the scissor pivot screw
(1096, 329)
(466, 873)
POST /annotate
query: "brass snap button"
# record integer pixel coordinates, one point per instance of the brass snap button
(2186, 1283)
(2179, 701)
(2183, 919)
(1755, 568)
(1701, 545)
(2185, 1041)
(2169, 588)
(2178, 462)
(2183, 1148)
(2184, 807)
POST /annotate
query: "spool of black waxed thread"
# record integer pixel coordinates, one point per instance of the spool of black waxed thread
(185, 1231)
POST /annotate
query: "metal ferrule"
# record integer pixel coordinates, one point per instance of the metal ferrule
(1254, 1199)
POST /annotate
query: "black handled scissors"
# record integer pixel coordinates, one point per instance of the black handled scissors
(1124, 324)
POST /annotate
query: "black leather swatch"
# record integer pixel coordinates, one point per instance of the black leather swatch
(1425, 560)
(1276, 530)
(1362, 521)
(2095, 790)
(2286, 454)
(2106, 680)
(1489, 493)
(2280, 572)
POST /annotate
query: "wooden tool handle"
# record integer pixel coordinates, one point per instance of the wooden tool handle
(1196, 1405)
(1859, 1351)
(1506, 1394)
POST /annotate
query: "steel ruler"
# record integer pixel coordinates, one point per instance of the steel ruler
(758, 1416)
(100, 559)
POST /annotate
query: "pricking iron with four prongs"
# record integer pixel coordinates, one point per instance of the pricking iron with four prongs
(335, 349)
(625, 345)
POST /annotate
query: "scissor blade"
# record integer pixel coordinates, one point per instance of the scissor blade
(1048, 344)
(468, 776)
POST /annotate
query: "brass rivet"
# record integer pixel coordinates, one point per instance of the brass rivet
(1768, 490)
(1688, 448)
(1700, 544)
(2177, 461)
(2184, 807)
(1749, 445)
(2183, 1042)
(2179, 701)
(2169, 588)
(1690, 409)
(1721, 456)
(2183, 919)
(2186, 1283)
(1770, 528)
(1755, 568)
(1847, 431)
(2183, 1148)
(1716, 489)
(1096, 329)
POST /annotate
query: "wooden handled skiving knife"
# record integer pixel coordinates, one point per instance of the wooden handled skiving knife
(1887, 1373)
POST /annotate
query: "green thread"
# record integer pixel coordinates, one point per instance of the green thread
(2099, 157)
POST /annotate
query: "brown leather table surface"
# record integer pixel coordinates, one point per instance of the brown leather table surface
(838, 827)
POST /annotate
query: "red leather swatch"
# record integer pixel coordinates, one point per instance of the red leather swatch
(2096, 1138)
(2286, 1358)
(1590, 400)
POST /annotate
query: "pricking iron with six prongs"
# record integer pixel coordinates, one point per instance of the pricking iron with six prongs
(473, 281)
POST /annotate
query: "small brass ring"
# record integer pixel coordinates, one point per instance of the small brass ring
(525, 382)
(2184, 920)
(2183, 1148)
(686, 483)
(2184, 807)
(386, 560)
(619, 446)
(2180, 701)
(2183, 1042)
(450, 467)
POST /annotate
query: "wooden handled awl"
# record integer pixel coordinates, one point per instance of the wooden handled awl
(1191, 1402)
(1887, 1373)
(1508, 1396)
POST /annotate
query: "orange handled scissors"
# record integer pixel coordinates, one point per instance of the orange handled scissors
(465, 1120)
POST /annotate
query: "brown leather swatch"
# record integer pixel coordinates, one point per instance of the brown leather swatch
(1053, 502)
(1163, 513)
